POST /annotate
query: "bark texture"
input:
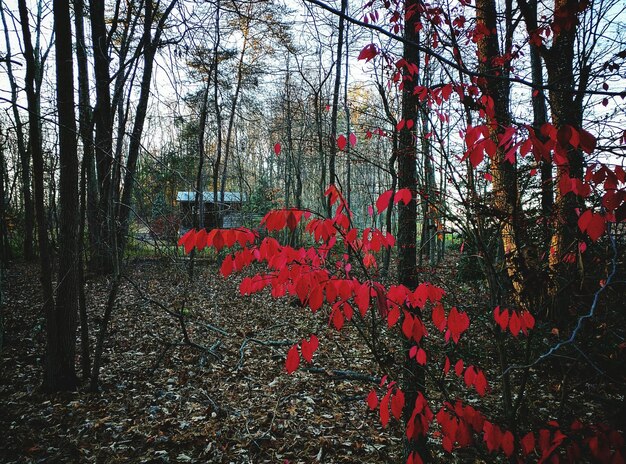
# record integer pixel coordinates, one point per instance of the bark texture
(60, 372)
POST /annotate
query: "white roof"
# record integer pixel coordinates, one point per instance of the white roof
(229, 197)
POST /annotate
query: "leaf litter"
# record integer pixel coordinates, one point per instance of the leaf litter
(164, 401)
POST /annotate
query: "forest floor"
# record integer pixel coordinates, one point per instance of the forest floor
(223, 398)
(183, 404)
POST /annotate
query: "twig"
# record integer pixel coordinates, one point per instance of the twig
(217, 329)
(343, 374)
(180, 317)
(160, 358)
(260, 342)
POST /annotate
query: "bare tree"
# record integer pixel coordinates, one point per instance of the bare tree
(60, 371)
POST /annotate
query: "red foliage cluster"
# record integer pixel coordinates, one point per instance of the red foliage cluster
(514, 320)
(321, 276)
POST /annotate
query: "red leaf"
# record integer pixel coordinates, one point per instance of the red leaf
(341, 142)
(439, 317)
(383, 201)
(421, 357)
(291, 221)
(338, 319)
(362, 298)
(407, 325)
(316, 298)
(593, 224)
(528, 443)
(368, 52)
(476, 155)
(293, 359)
(502, 319)
(347, 311)
(515, 325)
(587, 141)
(397, 404)
(393, 316)
(458, 367)
(529, 320)
(352, 139)
(508, 444)
(227, 266)
(218, 240)
(309, 347)
(469, 376)
(404, 195)
(188, 241)
(480, 383)
(446, 366)
(544, 440)
(372, 400)
(384, 409)
(492, 437)
(201, 237)
(277, 148)
(457, 323)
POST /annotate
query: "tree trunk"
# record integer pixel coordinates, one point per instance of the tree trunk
(29, 207)
(5, 249)
(150, 45)
(35, 144)
(335, 106)
(198, 217)
(103, 252)
(413, 378)
(540, 117)
(60, 372)
(216, 216)
(391, 165)
(233, 110)
(88, 188)
(566, 108)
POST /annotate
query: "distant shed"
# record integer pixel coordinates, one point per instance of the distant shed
(218, 213)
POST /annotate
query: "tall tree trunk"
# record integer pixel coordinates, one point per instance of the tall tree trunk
(391, 165)
(413, 378)
(120, 101)
(60, 372)
(88, 187)
(346, 110)
(35, 144)
(5, 249)
(566, 108)
(428, 238)
(335, 106)
(29, 207)
(216, 214)
(150, 45)
(198, 217)
(540, 117)
(233, 111)
(319, 130)
(102, 253)
(525, 281)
